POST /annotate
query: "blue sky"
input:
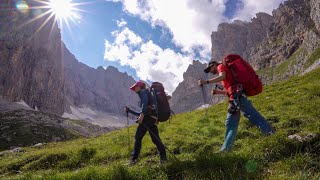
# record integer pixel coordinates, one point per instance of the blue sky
(86, 39)
(154, 40)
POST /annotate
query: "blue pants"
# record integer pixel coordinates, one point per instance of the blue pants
(148, 125)
(232, 123)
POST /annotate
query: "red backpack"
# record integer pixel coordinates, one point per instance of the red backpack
(245, 78)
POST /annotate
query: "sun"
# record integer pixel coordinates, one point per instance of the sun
(64, 12)
(63, 9)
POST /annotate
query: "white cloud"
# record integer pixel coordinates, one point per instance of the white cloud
(190, 21)
(150, 61)
(116, 52)
(121, 23)
(127, 35)
(121, 48)
(252, 7)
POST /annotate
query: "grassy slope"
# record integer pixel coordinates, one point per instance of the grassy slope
(291, 106)
(313, 58)
(283, 67)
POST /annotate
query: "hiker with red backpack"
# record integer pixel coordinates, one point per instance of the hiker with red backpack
(239, 80)
(147, 119)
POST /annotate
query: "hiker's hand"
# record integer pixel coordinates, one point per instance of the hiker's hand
(202, 82)
(126, 109)
(140, 118)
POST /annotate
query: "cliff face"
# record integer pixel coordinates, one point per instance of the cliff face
(31, 67)
(37, 68)
(239, 37)
(100, 89)
(188, 95)
(293, 41)
(315, 12)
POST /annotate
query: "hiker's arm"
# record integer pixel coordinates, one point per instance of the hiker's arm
(144, 106)
(144, 102)
(219, 78)
(134, 112)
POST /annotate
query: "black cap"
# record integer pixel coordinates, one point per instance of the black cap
(210, 64)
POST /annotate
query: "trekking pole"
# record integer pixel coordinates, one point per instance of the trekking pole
(160, 141)
(128, 132)
(204, 99)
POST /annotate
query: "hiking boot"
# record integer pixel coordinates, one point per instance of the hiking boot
(132, 162)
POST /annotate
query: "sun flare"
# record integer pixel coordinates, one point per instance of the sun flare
(64, 12)
(63, 9)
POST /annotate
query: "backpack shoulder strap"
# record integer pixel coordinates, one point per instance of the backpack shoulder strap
(232, 71)
(149, 92)
(233, 75)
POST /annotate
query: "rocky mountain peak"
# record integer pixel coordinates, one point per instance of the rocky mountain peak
(291, 39)
(112, 69)
(100, 68)
(239, 36)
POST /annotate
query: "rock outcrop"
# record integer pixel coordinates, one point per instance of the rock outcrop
(31, 67)
(7, 105)
(27, 128)
(105, 90)
(293, 41)
(240, 36)
(315, 13)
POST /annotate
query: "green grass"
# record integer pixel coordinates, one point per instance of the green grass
(292, 107)
(283, 67)
(313, 58)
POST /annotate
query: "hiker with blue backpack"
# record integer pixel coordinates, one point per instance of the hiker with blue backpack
(239, 80)
(148, 119)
